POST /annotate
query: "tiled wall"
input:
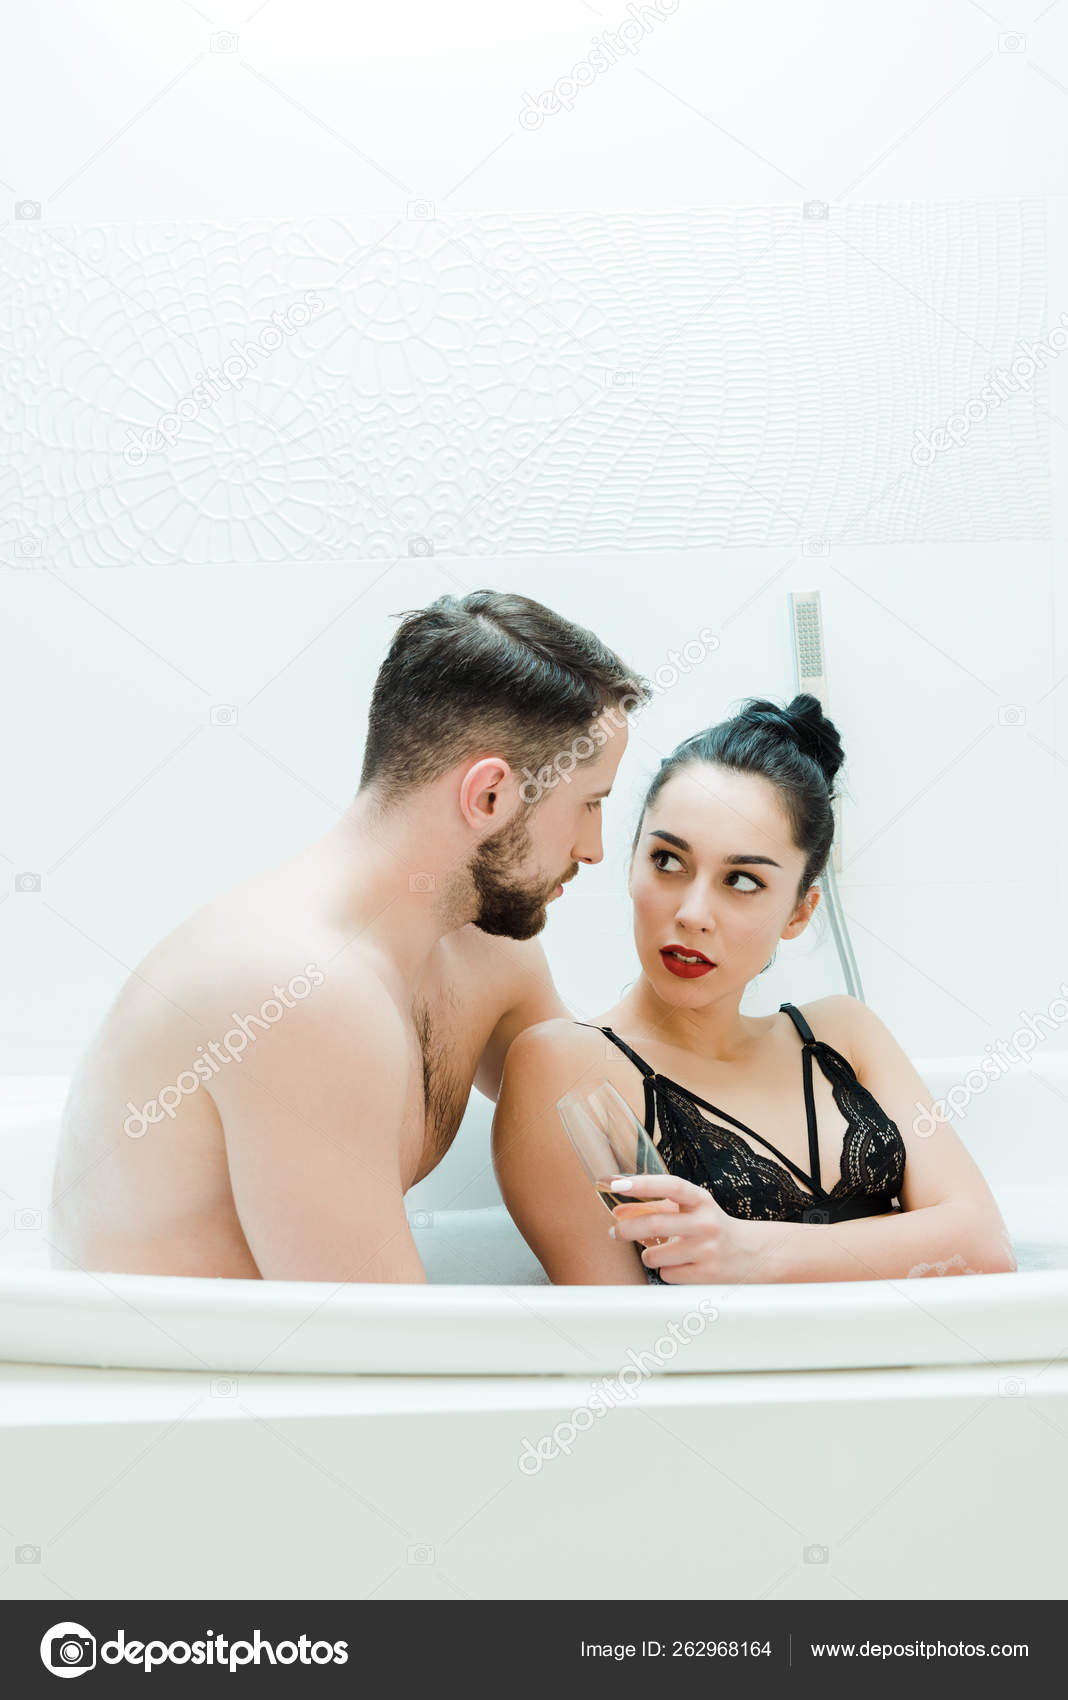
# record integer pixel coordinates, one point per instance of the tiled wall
(298, 392)
(658, 360)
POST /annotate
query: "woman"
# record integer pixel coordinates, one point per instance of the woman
(810, 1170)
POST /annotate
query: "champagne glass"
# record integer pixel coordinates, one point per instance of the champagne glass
(608, 1140)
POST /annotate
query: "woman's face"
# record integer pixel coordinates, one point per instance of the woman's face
(715, 873)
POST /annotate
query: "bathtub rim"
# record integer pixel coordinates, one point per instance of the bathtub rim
(121, 1321)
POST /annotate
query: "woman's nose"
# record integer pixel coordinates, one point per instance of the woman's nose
(694, 917)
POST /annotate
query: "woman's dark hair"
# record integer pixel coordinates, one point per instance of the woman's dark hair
(796, 747)
(487, 671)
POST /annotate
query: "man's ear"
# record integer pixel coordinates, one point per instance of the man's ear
(479, 796)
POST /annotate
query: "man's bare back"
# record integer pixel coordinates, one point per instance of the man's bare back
(268, 1085)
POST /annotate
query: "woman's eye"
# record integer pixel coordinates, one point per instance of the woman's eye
(738, 874)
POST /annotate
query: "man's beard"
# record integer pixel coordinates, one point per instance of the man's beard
(506, 908)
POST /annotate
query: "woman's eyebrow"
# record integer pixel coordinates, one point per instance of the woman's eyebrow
(681, 844)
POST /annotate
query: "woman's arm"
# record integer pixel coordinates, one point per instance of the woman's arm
(949, 1222)
(938, 1239)
(542, 1181)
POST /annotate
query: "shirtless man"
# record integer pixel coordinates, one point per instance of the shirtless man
(282, 1067)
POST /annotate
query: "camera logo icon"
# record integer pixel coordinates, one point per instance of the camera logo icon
(29, 548)
(816, 1216)
(815, 546)
(420, 209)
(420, 546)
(816, 1555)
(1012, 714)
(420, 882)
(27, 882)
(27, 1218)
(1012, 43)
(1010, 1386)
(223, 1387)
(223, 42)
(421, 1554)
(68, 1649)
(815, 209)
(421, 1219)
(223, 714)
(27, 209)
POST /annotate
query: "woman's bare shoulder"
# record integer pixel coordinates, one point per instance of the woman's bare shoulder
(552, 1057)
(839, 1021)
(545, 1042)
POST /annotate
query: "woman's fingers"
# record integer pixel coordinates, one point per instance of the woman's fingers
(650, 1227)
(684, 1193)
(674, 1255)
(625, 1212)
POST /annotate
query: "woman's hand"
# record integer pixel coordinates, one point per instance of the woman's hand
(700, 1241)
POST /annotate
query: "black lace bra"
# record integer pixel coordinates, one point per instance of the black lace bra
(743, 1181)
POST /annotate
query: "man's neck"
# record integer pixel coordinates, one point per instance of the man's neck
(402, 887)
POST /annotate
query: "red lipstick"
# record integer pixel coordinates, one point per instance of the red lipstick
(697, 965)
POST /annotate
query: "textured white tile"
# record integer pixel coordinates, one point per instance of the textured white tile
(581, 382)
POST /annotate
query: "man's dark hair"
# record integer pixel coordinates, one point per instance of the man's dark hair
(489, 672)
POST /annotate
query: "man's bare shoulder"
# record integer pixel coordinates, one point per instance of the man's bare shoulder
(321, 1040)
(236, 954)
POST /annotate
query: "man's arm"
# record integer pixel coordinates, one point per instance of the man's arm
(533, 998)
(312, 1120)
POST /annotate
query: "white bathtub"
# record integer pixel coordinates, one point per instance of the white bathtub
(171, 1437)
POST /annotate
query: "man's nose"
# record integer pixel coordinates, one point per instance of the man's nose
(591, 848)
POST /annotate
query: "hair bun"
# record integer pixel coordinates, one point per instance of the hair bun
(804, 722)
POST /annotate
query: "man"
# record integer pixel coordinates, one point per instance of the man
(292, 1058)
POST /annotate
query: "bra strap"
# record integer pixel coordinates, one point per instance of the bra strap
(810, 1111)
(810, 1101)
(647, 1072)
(800, 1023)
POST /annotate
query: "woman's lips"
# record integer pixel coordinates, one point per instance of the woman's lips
(685, 970)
